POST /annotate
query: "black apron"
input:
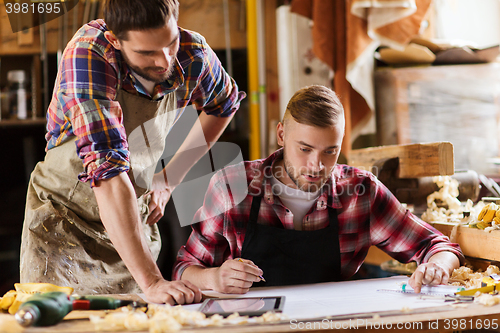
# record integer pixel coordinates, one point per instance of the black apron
(289, 257)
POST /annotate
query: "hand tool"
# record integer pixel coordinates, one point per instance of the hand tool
(50, 308)
(444, 292)
(426, 289)
(440, 290)
(489, 284)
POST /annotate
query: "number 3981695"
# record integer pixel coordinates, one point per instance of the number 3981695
(463, 324)
(33, 8)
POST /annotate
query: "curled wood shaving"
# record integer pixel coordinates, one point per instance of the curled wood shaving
(166, 318)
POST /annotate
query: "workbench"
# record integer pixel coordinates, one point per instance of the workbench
(449, 321)
(432, 317)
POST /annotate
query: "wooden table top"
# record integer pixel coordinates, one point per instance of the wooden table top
(443, 319)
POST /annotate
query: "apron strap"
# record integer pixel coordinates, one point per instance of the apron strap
(254, 210)
(334, 224)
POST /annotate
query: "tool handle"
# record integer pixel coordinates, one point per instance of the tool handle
(96, 303)
(44, 309)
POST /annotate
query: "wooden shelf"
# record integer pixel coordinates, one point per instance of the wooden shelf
(22, 122)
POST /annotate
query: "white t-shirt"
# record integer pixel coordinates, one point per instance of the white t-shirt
(149, 85)
(299, 202)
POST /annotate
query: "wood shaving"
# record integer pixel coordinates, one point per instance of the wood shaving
(487, 299)
(166, 318)
(448, 195)
(466, 277)
(458, 305)
(270, 317)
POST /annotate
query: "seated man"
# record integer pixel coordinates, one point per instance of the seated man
(317, 218)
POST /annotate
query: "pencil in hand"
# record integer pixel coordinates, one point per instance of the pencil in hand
(260, 276)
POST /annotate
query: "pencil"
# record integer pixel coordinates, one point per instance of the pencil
(260, 276)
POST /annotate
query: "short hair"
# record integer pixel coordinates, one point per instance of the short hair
(315, 105)
(122, 16)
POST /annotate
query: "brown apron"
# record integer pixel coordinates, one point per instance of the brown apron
(64, 241)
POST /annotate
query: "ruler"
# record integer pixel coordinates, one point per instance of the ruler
(439, 290)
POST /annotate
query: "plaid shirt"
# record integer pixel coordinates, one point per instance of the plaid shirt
(368, 215)
(90, 74)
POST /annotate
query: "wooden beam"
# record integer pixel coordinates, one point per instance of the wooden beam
(415, 160)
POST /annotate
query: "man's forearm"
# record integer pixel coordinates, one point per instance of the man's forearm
(191, 151)
(120, 216)
(446, 258)
(202, 277)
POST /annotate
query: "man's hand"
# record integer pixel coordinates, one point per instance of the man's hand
(159, 199)
(431, 274)
(235, 276)
(160, 194)
(173, 292)
(436, 271)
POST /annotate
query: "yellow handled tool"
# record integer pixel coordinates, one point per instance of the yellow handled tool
(488, 284)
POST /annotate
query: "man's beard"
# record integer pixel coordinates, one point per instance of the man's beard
(306, 186)
(148, 72)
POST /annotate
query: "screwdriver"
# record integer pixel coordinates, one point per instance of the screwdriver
(50, 308)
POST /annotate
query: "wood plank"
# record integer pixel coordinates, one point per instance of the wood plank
(474, 242)
(23, 122)
(415, 160)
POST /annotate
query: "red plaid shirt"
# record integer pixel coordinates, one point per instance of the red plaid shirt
(368, 214)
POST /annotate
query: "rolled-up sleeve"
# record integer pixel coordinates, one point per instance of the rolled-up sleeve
(400, 233)
(214, 91)
(85, 93)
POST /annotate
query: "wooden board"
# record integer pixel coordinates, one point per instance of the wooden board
(474, 242)
(470, 317)
(415, 160)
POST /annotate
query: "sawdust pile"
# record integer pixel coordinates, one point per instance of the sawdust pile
(466, 277)
(166, 318)
(443, 205)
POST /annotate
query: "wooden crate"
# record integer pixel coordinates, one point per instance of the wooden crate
(474, 242)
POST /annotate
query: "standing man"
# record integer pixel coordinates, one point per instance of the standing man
(92, 204)
(305, 218)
